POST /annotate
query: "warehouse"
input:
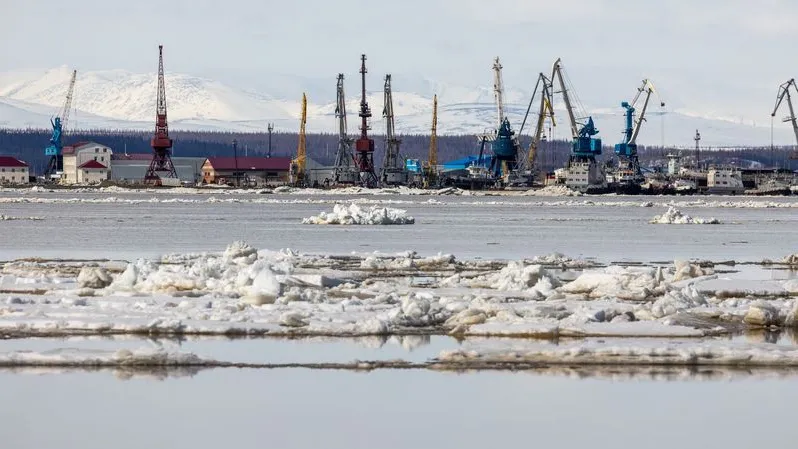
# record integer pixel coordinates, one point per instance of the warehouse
(131, 168)
(246, 171)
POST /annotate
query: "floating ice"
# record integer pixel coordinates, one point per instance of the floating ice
(94, 277)
(355, 215)
(120, 358)
(10, 218)
(675, 216)
(553, 191)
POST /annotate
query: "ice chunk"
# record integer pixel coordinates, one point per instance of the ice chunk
(675, 216)
(632, 283)
(94, 277)
(553, 191)
(792, 259)
(677, 301)
(355, 215)
(762, 314)
(518, 277)
(239, 249)
(686, 270)
(293, 319)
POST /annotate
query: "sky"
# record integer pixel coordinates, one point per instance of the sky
(715, 58)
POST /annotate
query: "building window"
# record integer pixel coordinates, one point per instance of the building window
(96, 150)
(102, 159)
(105, 150)
(95, 158)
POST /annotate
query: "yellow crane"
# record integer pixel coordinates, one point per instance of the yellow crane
(299, 163)
(431, 168)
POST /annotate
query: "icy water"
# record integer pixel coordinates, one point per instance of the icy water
(297, 408)
(610, 228)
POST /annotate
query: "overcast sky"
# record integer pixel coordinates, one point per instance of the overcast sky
(713, 57)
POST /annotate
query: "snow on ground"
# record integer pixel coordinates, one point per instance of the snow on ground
(675, 216)
(243, 290)
(353, 214)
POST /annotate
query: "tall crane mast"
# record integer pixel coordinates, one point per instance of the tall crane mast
(391, 142)
(344, 172)
(784, 93)
(299, 163)
(59, 124)
(498, 91)
(431, 168)
(364, 146)
(161, 143)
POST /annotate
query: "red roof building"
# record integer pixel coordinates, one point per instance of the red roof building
(8, 161)
(92, 164)
(247, 170)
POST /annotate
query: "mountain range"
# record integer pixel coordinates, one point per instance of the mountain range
(117, 99)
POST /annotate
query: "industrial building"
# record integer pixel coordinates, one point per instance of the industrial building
(13, 171)
(76, 157)
(131, 168)
(246, 171)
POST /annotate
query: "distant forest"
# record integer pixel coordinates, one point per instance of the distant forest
(29, 145)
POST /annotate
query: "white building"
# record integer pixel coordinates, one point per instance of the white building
(77, 155)
(92, 172)
(13, 171)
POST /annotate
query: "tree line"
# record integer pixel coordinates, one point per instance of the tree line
(28, 145)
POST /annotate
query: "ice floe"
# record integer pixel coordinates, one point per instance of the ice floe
(353, 214)
(675, 216)
(245, 291)
(10, 218)
(553, 191)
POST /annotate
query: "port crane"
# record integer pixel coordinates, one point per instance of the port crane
(504, 141)
(430, 168)
(393, 169)
(628, 161)
(161, 143)
(59, 123)
(344, 171)
(545, 111)
(784, 93)
(364, 146)
(299, 163)
(583, 171)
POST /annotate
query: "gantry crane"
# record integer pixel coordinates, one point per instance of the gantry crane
(299, 163)
(344, 170)
(627, 150)
(393, 168)
(364, 146)
(55, 150)
(161, 165)
(430, 168)
(784, 93)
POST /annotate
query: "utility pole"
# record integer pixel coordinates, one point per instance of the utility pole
(270, 128)
(235, 159)
(697, 139)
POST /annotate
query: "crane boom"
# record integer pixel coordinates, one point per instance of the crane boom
(299, 163)
(557, 71)
(391, 160)
(161, 143)
(68, 102)
(432, 158)
(344, 159)
(647, 88)
(784, 92)
(546, 111)
(498, 91)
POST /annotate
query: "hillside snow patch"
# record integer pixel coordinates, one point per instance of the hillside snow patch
(353, 214)
(675, 216)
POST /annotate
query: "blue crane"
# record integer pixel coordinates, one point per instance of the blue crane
(627, 149)
(59, 124)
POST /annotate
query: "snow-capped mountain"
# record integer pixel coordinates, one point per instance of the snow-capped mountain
(117, 99)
